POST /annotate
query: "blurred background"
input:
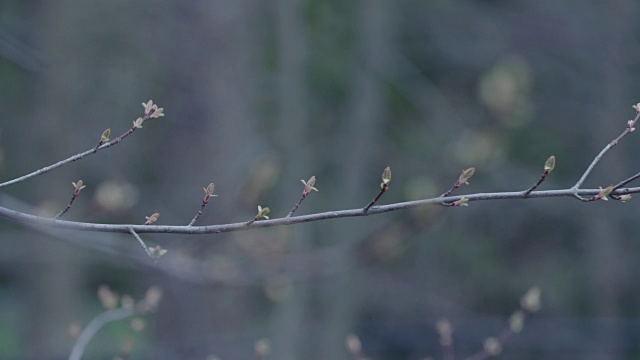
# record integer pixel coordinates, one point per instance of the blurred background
(261, 94)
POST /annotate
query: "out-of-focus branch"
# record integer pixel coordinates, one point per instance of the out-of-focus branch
(95, 325)
(128, 308)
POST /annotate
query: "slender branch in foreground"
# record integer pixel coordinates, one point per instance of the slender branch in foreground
(215, 229)
(629, 129)
(308, 186)
(151, 111)
(76, 191)
(208, 194)
(384, 186)
(549, 165)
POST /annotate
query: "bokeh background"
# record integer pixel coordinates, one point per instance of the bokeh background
(261, 94)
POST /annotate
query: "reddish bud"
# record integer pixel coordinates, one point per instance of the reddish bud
(309, 185)
(151, 219)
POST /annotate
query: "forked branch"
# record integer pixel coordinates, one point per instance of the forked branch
(261, 219)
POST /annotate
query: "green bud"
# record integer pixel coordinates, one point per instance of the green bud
(466, 175)
(105, 136)
(386, 175)
(550, 164)
(263, 212)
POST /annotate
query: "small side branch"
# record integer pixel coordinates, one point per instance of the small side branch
(549, 165)
(462, 180)
(308, 186)
(629, 129)
(208, 194)
(77, 188)
(151, 111)
(142, 244)
(263, 213)
(384, 186)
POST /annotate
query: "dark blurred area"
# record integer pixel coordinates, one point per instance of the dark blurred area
(261, 94)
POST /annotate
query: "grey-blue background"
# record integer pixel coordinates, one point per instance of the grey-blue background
(261, 94)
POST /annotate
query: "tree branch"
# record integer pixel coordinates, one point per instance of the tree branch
(215, 229)
(630, 128)
(151, 111)
(95, 325)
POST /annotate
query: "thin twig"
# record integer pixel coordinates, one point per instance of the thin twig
(77, 187)
(535, 186)
(375, 200)
(596, 160)
(308, 186)
(77, 156)
(462, 180)
(68, 160)
(214, 229)
(95, 325)
(549, 165)
(384, 186)
(142, 244)
(195, 218)
(297, 205)
(621, 184)
(208, 194)
(63, 211)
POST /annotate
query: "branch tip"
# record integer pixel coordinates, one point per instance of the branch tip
(386, 177)
(262, 213)
(105, 136)
(309, 185)
(550, 164)
(466, 175)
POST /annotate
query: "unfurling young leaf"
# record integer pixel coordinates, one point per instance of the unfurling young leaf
(605, 192)
(78, 186)
(263, 212)
(309, 185)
